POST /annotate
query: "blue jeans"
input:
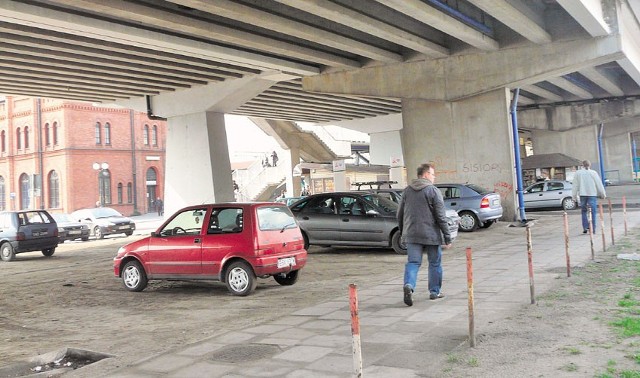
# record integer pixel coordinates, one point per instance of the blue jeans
(414, 260)
(592, 202)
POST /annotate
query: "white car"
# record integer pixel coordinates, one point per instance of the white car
(550, 193)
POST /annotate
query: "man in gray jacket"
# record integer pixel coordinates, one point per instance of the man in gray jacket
(423, 224)
(587, 185)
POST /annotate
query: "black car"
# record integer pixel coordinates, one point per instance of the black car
(104, 221)
(68, 229)
(27, 231)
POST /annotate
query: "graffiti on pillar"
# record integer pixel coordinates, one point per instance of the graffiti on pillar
(503, 188)
(481, 167)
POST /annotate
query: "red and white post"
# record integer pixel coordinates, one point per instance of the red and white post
(355, 330)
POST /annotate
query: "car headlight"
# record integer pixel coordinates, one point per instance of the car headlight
(60, 229)
(84, 227)
(121, 251)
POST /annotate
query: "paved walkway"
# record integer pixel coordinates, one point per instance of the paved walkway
(316, 341)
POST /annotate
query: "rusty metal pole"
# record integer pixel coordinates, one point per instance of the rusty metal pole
(613, 236)
(566, 242)
(472, 331)
(530, 258)
(604, 241)
(355, 330)
(593, 251)
(624, 213)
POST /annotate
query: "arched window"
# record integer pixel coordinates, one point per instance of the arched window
(107, 133)
(3, 141)
(54, 190)
(18, 139)
(55, 133)
(98, 133)
(151, 175)
(145, 135)
(105, 186)
(129, 193)
(3, 201)
(119, 192)
(47, 137)
(154, 136)
(26, 137)
(25, 186)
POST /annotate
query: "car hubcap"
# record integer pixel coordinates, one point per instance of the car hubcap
(238, 279)
(569, 204)
(466, 222)
(131, 276)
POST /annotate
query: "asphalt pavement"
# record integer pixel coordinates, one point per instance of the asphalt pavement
(317, 341)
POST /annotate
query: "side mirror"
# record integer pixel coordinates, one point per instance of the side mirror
(153, 234)
(372, 213)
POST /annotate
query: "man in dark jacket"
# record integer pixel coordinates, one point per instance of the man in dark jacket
(423, 223)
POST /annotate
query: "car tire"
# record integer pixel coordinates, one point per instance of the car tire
(240, 279)
(397, 245)
(85, 238)
(6, 252)
(98, 233)
(134, 278)
(305, 238)
(487, 224)
(48, 252)
(128, 233)
(468, 221)
(569, 204)
(287, 279)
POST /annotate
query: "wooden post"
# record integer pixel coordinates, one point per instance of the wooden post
(355, 330)
(530, 258)
(624, 213)
(593, 251)
(472, 331)
(566, 242)
(604, 241)
(613, 236)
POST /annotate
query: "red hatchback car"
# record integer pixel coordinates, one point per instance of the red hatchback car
(230, 242)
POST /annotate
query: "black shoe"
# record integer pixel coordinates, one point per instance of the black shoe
(585, 231)
(408, 295)
(434, 296)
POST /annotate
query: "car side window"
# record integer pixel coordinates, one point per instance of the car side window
(555, 186)
(536, 188)
(188, 222)
(450, 192)
(320, 205)
(224, 221)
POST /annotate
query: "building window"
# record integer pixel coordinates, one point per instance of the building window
(3, 201)
(47, 137)
(26, 137)
(55, 133)
(3, 141)
(54, 190)
(105, 186)
(120, 192)
(98, 133)
(25, 186)
(145, 135)
(107, 134)
(154, 136)
(18, 139)
(129, 193)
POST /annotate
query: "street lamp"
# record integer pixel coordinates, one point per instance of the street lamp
(101, 168)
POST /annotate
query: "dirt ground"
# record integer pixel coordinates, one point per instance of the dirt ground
(73, 300)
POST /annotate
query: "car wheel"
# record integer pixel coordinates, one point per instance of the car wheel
(7, 253)
(48, 251)
(98, 233)
(569, 203)
(468, 221)
(134, 277)
(287, 279)
(128, 233)
(306, 241)
(240, 279)
(398, 246)
(85, 238)
(487, 224)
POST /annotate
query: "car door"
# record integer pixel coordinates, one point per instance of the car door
(534, 196)
(318, 219)
(358, 228)
(226, 234)
(176, 250)
(451, 196)
(554, 193)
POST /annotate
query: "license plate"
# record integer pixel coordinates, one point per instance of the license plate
(74, 232)
(124, 227)
(39, 233)
(289, 261)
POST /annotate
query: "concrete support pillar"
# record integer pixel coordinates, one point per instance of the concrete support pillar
(580, 143)
(197, 168)
(340, 182)
(468, 141)
(293, 183)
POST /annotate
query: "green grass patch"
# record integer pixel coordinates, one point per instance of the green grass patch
(473, 362)
(628, 326)
(573, 350)
(630, 374)
(570, 367)
(452, 359)
(628, 303)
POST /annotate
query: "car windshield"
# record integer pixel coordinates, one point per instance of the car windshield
(275, 218)
(61, 218)
(105, 212)
(479, 189)
(384, 204)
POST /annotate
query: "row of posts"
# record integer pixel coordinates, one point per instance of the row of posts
(353, 296)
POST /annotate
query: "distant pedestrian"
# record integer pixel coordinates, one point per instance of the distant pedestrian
(235, 186)
(274, 158)
(265, 162)
(423, 224)
(159, 206)
(587, 187)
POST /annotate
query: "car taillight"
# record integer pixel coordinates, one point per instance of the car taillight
(20, 236)
(484, 203)
(55, 232)
(266, 251)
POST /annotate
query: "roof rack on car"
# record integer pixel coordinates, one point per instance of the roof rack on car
(372, 183)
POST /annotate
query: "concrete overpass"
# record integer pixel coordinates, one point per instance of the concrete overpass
(445, 72)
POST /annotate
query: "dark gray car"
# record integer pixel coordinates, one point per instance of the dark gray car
(27, 231)
(104, 221)
(351, 219)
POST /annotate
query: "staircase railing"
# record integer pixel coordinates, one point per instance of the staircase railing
(255, 179)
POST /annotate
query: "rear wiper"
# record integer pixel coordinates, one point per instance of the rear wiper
(286, 226)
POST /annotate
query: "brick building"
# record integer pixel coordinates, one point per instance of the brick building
(49, 150)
